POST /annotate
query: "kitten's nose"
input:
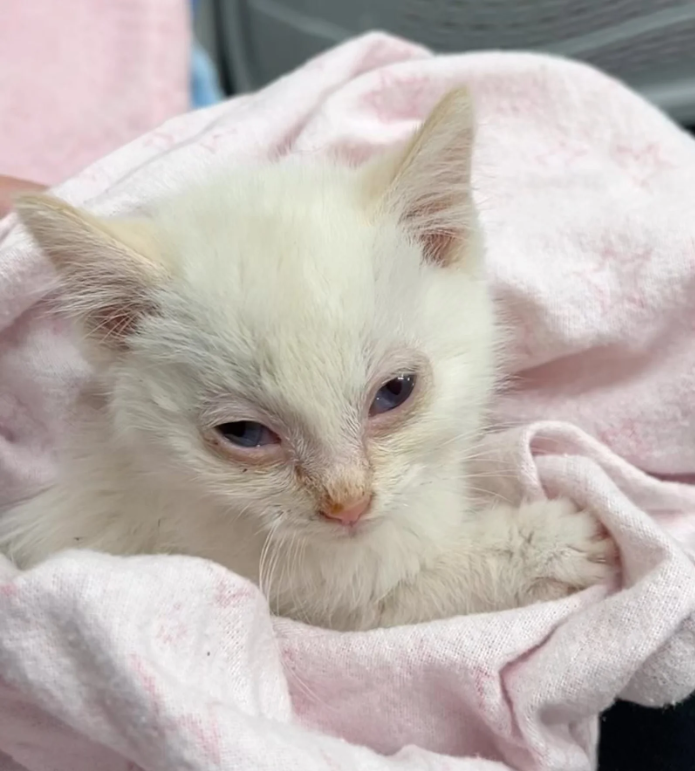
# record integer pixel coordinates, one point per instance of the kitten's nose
(348, 513)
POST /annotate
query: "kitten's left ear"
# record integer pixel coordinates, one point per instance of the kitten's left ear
(107, 267)
(427, 184)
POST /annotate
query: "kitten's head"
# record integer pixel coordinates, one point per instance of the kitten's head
(303, 346)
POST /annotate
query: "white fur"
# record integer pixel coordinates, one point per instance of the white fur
(286, 294)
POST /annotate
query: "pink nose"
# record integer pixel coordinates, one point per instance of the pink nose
(350, 513)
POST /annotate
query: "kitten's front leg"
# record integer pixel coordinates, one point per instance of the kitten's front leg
(508, 557)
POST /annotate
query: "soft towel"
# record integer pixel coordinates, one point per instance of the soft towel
(163, 663)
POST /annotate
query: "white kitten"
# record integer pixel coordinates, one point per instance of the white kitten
(293, 367)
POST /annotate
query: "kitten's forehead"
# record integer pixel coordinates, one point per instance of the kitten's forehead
(279, 227)
(295, 249)
(302, 289)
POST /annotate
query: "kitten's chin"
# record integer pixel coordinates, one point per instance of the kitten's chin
(326, 532)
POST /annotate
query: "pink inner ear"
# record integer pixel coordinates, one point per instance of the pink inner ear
(113, 323)
(440, 247)
(441, 226)
(120, 305)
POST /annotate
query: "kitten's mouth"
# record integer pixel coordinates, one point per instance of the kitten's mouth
(345, 527)
(349, 530)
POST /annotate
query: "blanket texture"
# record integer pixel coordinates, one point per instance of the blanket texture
(79, 79)
(163, 663)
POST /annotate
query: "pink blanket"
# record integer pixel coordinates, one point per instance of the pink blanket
(162, 663)
(78, 81)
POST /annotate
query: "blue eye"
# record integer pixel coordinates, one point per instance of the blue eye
(393, 393)
(247, 433)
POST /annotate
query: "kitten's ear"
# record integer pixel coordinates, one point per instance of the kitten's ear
(107, 267)
(428, 183)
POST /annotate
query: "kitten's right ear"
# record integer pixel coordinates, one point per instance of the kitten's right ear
(427, 184)
(107, 267)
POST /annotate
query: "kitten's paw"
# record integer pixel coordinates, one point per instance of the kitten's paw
(564, 550)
